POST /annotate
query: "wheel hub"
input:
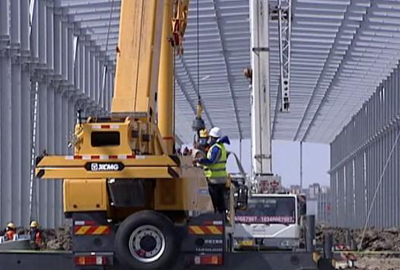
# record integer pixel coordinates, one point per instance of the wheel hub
(147, 244)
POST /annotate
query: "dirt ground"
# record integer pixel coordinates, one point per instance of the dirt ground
(375, 263)
(374, 239)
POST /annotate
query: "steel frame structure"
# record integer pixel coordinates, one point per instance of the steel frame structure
(41, 52)
(340, 51)
(63, 46)
(358, 156)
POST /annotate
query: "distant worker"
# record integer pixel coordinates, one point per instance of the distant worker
(35, 235)
(10, 232)
(248, 74)
(214, 166)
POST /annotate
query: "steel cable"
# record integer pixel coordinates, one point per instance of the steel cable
(107, 41)
(198, 50)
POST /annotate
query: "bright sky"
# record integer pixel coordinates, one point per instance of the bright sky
(286, 161)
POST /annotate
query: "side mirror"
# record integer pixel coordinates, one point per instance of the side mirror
(242, 197)
(303, 209)
(302, 201)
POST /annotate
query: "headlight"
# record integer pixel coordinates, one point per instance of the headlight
(289, 243)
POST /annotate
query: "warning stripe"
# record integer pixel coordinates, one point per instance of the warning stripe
(206, 229)
(102, 157)
(91, 230)
(195, 230)
(105, 127)
(214, 229)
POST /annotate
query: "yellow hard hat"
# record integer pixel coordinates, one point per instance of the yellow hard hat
(203, 133)
(34, 224)
(11, 225)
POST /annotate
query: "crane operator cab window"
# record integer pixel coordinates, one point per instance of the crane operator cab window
(104, 139)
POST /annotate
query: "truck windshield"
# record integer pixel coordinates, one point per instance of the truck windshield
(278, 210)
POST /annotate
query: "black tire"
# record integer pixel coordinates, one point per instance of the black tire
(138, 220)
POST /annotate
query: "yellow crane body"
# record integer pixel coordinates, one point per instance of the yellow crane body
(138, 57)
(136, 142)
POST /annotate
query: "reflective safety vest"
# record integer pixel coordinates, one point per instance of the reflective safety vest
(9, 236)
(216, 173)
(36, 236)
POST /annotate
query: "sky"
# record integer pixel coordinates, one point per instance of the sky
(286, 161)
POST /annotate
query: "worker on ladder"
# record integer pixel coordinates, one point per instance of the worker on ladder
(10, 232)
(35, 235)
(214, 166)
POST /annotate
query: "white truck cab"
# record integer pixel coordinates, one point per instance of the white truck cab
(271, 221)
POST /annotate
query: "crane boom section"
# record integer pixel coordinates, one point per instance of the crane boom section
(138, 57)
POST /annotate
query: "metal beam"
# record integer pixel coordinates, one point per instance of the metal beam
(227, 66)
(328, 61)
(194, 86)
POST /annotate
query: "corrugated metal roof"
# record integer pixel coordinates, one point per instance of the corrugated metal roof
(224, 54)
(341, 50)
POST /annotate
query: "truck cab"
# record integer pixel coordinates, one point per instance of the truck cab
(270, 222)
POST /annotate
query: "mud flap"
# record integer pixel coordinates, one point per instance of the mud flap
(204, 240)
(92, 240)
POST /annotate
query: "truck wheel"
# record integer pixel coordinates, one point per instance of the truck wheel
(146, 241)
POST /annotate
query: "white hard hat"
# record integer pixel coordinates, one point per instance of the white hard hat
(215, 132)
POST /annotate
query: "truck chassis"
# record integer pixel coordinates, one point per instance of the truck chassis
(14, 260)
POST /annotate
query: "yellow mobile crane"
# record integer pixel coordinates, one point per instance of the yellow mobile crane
(124, 178)
(134, 204)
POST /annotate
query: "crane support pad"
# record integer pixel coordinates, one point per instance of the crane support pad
(100, 167)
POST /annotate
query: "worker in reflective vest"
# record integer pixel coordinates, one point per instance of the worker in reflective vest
(35, 235)
(10, 232)
(214, 166)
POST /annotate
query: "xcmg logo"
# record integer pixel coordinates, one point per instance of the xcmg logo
(104, 167)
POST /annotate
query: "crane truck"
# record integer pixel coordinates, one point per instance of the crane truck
(134, 203)
(273, 219)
